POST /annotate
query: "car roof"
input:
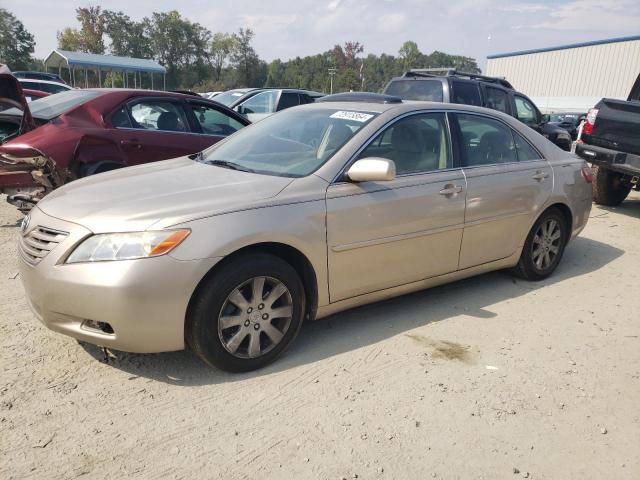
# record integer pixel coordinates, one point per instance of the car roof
(406, 106)
(39, 80)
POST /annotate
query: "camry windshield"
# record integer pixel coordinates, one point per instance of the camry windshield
(292, 143)
(50, 107)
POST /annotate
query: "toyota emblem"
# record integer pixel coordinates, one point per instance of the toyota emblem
(25, 223)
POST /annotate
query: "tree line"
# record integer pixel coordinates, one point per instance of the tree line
(200, 60)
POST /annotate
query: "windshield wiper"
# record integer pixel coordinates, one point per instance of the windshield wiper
(227, 164)
(199, 157)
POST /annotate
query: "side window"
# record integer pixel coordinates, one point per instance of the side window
(214, 122)
(466, 93)
(159, 115)
(287, 100)
(120, 118)
(497, 99)
(526, 111)
(416, 144)
(485, 141)
(264, 102)
(525, 151)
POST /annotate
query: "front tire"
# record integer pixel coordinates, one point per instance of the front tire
(544, 246)
(247, 313)
(609, 188)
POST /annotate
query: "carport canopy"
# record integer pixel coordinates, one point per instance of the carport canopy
(103, 63)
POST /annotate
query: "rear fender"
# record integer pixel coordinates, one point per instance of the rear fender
(95, 149)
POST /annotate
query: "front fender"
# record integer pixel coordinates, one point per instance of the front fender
(300, 225)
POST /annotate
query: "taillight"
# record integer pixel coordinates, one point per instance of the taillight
(590, 121)
(587, 174)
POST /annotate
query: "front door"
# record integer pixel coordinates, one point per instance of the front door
(385, 234)
(259, 106)
(152, 129)
(508, 183)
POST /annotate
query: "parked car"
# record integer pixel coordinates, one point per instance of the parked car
(78, 133)
(315, 210)
(31, 95)
(209, 95)
(259, 103)
(53, 77)
(472, 89)
(569, 121)
(610, 140)
(46, 86)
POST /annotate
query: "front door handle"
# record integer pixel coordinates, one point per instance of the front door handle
(450, 189)
(539, 176)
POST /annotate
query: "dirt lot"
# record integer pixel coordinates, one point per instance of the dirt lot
(490, 377)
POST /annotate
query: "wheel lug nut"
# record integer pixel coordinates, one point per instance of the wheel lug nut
(256, 326)
(261, 306)
(247, 323)
(265, 316)
(249, 310)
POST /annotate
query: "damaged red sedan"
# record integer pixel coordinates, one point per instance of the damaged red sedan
(79, 133)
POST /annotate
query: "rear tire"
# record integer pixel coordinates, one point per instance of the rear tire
(544, 246)
(233, 327)
(609, 188)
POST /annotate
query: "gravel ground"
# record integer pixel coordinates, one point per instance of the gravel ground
(490, 377)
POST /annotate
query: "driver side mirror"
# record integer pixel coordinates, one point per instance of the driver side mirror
(240, 109)
(372, 169)
(546, 118)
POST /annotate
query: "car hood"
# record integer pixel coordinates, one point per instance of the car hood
(11, 95)
(159, 195)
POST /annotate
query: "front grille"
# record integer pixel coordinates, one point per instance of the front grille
(37, 244)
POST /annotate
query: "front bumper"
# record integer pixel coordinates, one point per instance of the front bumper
(144, 301)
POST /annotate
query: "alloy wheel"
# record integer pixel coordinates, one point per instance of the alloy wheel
(546, 244)
(255, 317)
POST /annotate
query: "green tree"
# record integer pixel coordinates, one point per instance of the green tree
(410, 54)
(70, 39)
(127, 36)
(181, 46)
(16, 43)
(221, 47)
(89, 38)
(250, 71)
(91, 28)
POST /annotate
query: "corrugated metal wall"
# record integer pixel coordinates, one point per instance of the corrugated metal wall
(595, 71)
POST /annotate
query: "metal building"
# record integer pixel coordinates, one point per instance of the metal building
(572, 77)
(59, 59)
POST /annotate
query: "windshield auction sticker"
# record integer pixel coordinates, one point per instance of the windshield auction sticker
(356, 116)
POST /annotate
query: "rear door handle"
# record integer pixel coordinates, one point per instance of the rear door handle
(540, 176)
(450, 189)
(131, 143)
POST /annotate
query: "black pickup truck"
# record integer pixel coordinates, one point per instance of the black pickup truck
(610, 141)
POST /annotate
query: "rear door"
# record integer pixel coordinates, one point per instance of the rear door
(508, 183)
(497, 98)
(288, 100)
(150, 129)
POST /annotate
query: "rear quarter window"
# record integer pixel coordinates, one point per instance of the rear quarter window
(426, 90)
(466, 93)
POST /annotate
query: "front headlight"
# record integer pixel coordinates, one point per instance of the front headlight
(127, 246)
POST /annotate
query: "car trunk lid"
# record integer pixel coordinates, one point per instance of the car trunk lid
(11, 95)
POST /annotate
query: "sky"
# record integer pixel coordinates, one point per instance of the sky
(289, 28)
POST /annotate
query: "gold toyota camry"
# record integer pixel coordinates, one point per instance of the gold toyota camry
(314, 210)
